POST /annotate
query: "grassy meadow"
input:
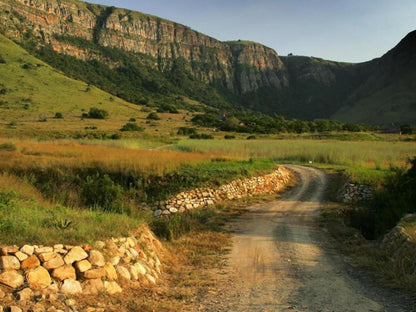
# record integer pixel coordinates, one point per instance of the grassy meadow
(366, 161)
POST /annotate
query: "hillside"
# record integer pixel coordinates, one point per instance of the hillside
(389, 92)
(155, 62)
(32, 92)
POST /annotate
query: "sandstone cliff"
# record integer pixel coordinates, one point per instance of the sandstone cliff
(220, 74)
(238, 67)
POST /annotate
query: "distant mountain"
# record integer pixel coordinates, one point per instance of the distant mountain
(388, 92)
(152, 61)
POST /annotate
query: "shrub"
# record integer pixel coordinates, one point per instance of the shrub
(2, 60)
(251, 137)
(9, 147)
(59, 115)
(202, 136)
(153, 116)
(229, 137)
(167, 108)
(101, 192)
(186, 131)
(131, 126)
(96, 113)
(132, 119)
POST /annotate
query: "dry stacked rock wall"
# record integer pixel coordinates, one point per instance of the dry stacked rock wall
(353, 193)
(203, 197)
(59, 269)
(400, 247)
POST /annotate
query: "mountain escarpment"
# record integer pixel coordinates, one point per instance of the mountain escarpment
(149, 60)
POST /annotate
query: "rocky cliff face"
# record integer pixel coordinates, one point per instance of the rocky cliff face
(240, 68)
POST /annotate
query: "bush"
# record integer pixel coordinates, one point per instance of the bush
(101, 192)
(396, 199)
(202, 136)
(153, 116)
(186, 131)
(131, 126)
(8, 147)
(132, 119)
(59, 115)
(251, 137)
(229, 137)
(96, 113)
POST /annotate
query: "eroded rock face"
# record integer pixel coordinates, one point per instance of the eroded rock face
(239, 67)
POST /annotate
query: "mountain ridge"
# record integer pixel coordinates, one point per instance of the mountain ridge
(236, 73)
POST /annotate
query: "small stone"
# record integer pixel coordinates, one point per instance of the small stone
(173, 210)
(75, 254)
(54, 263)
(70, 302)
(141, 267)
(27, 249)
(25, 294)
(82, 266)
(157, 213)
(93, 286)
(71, 287)
(21, 256)
(9, 263)
(115, 261)
(131, 241)
(11, 278)
(58, 246)
(38, 278)
(46, 256)
(30, 263)
(112, 288)
(134, 253)
(123, 272)
(9, 250)
(96, 273)
(151, 279)
(14, 309)
(99, 244)
(96, 258)
(64, 272)
(111, 272)
(41, 250)
(134, 273)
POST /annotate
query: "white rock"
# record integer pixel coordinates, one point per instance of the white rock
(71, 287)
(27, 249)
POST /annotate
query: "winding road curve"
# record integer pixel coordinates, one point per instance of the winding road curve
(282, 261)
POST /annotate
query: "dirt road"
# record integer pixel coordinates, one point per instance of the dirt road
(282, 261)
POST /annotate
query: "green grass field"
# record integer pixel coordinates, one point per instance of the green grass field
(366, 161)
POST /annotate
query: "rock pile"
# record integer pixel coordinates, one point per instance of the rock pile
(42, 271)
(400, 247)
(240, 188)
(353, 193)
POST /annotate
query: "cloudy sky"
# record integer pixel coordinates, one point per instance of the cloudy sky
(340, 30)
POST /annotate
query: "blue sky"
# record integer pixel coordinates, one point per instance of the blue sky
(340, 30)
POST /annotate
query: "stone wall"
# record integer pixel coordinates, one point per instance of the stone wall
(353, 193)
(203, 197)
(400, 248)
(48, 271)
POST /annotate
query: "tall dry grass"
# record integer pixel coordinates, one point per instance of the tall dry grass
(32, 154)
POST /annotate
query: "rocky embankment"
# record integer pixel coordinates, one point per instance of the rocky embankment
(35, 277)
(353, 193)
(203, 197)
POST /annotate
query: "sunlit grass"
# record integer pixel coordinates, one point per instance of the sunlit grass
(366, 161)
(68, 154)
